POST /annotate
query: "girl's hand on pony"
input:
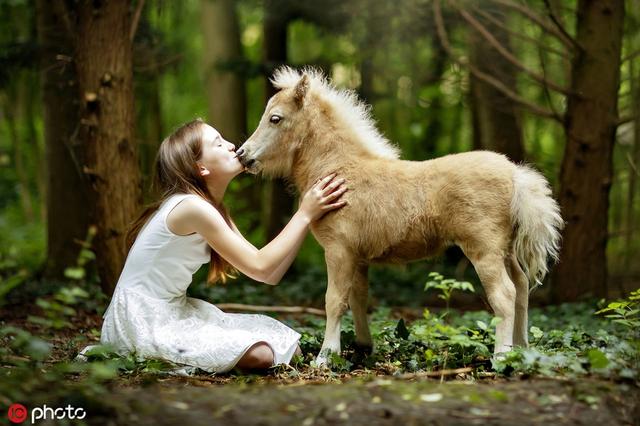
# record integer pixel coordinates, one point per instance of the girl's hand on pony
(323, 197)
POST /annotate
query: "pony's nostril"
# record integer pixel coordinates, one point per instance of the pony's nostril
(240, 152)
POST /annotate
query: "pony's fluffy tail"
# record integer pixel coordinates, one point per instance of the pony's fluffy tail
(537, 223)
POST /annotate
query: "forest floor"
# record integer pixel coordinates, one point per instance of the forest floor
(373, 401)
(308, 396)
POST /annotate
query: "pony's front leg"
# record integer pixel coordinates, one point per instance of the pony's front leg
(340, 270)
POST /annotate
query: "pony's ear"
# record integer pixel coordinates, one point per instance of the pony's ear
(301, 90)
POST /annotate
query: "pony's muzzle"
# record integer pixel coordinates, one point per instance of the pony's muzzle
(242, 157)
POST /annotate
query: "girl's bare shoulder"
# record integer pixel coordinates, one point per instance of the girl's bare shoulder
(182, 215)
(195, 204)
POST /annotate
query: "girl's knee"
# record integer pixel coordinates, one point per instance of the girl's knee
(265, 356)
(259, 355)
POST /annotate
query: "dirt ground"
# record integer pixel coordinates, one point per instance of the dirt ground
(309, 397)
(369, 401)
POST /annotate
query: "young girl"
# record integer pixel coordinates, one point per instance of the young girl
(151, 315)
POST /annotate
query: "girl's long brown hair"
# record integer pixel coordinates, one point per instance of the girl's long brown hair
(176, 172)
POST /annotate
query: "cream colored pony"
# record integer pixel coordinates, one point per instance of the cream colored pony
(500, 214)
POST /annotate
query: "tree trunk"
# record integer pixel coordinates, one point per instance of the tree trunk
(150, 126)
(456, 129)
(105, 144)
(66, 201)
(275, 51)
(631, 223)
(226, 92)
(496, 123)
(587, 165)
(151, 129)
(225, 85)
(434, 114)
(36, 142)
(13, 116)
(367, 48)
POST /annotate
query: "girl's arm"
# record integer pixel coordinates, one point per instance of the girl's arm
(281, 269)
(278, 272)
(269, 263)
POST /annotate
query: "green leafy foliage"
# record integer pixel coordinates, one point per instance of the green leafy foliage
(21, 248)
(21, 343)
(78, 272)
(11, 282)
(60, 307)
(566, 340)
(30, 370)
(446, 286)
(625, 312)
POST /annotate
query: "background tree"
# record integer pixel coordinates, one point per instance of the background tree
(589, 123)
(587, 165)
(222, 55)
(633, 131)
(66, 202)
(224, 73)
(277, 15)
(421, 91)
(104, 145)
(495, 118)
(151, 58)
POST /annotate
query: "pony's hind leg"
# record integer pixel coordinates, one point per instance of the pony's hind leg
(358, 298)
(501, 293)
(340, 272)
(520, 335)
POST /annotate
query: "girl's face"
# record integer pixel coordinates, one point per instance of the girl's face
(219, 158)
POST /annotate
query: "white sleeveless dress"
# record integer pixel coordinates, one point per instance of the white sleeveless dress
(151, 316)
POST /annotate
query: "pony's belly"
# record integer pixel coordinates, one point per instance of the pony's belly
(374, 246)
(407, 252)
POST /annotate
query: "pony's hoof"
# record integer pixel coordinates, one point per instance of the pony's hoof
(500, 353)
(500, 356)
(323, 359)
(321, 362)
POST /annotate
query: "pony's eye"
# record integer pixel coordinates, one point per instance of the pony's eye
(275, 119)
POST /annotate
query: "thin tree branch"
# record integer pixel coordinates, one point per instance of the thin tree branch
(506, 53)
(61, 10)
(284, 309)
(621, 233)
(625, 119)
(136, 19)
(633, 165)
(631, 56)
(517, 34)
(559, 25)
(159, 65)
(437, 373)
(524, 10)
(536, 109)
(545, 88)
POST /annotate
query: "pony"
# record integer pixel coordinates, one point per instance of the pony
(500, 214)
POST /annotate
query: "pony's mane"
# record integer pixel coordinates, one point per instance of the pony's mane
(345, 104)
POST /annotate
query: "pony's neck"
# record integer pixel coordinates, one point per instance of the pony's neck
(325, 149)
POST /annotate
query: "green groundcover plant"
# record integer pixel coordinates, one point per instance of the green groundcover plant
(570, 340)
